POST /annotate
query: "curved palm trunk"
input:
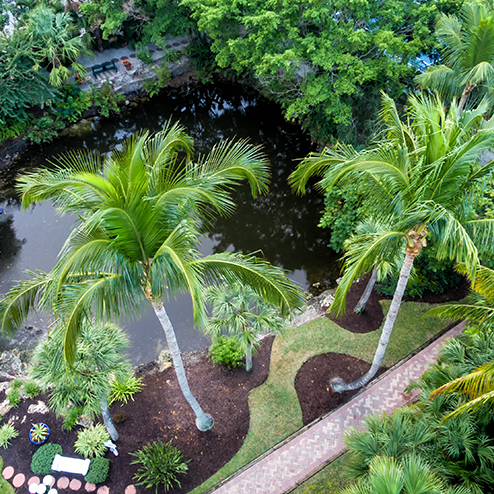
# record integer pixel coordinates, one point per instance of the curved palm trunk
(105, 412)
(248, 358)
(204, 421)
(360, 307)
(337, 383)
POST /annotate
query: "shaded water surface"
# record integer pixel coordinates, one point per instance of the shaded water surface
(282, 226)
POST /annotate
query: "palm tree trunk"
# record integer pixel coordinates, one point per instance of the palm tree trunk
(105, 412)
(337, 383)
(360, 307)
(204, 421)
(248, 358)
(466, 93)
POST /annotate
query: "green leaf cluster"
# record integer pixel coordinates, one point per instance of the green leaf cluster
(98, 470)
(90, 441)
(7, 432)
(226, 351)
(159, 464)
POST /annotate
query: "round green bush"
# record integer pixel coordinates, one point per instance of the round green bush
(226, 351)
(98, 470)
(43, 458)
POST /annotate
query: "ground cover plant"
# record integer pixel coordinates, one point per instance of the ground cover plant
(244, 425)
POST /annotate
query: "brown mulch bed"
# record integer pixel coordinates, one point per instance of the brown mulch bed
(314, 393)
(161, 412)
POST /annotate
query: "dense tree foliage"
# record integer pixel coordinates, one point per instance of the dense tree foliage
(325, 62)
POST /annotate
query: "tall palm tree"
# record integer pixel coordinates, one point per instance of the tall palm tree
(99, 362)
(141, 212)
(238, 310)
(424, 171)
(467, 51)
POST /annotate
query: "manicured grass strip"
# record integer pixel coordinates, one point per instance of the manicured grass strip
(274, 409)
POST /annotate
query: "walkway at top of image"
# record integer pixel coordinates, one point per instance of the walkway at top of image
(296, 460)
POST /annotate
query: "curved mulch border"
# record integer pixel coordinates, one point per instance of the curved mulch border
(161, 412)
(314, 393)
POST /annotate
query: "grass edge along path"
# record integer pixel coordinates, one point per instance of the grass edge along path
(275, 412)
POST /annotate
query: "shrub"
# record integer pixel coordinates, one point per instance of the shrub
(70, 420)
(145, 56)
(16, 384)
(98, 470)
(160, 463)
(7, 432)
(90, 441)
(43, 458)
(226, 351)
(32, 389)
(124, 389)
(14, 397)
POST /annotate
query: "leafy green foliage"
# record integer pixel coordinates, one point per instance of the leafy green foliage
(44, 129)
(43, 458)
(155, 85)
(226, 351)
(324, 62)
(71, 416)
(144, 55)
(32, 389)
(7, 432)
(98, 470)
(14, 397)
(16, 384)
(159, 464)
(71, 103)
(125, 389)
(90, 441)
(39, 432)
(105, 99)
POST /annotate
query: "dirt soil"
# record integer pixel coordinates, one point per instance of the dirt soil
(161, 412)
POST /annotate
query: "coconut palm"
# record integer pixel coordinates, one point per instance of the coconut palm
(467, 51)
(141, 212)
(241, 312)
(424, 171)
(55, 42)
(99, 362)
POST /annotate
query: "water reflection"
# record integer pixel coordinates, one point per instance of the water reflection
(282, 226)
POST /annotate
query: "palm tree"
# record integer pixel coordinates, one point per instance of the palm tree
(467, 52)
(238, 310)
(478, 385)
(55, 42)
(99, 362)
(424, 171)
(141, 212)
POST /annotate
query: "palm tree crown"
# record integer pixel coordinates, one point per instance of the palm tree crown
(141, 211)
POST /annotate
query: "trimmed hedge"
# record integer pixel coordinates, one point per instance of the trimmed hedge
(43, 458)
(98, 470)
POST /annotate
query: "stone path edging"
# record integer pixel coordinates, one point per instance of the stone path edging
(284, 467)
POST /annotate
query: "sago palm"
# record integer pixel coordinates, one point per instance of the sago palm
(467, 52)
(424, 172)
(141, 212)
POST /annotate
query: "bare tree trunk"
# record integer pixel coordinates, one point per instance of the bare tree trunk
(337, 383)
(105, 412)
(248, 358)
(360, 307)
(204, 421)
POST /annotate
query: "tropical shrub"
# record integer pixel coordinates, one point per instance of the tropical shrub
(14, 397)
(105, 99)
(32, 389)
(226, 351)
(44, 129)
(98, 470)
(125, 389)
(70, 419)
(90, 441)
(144, 55)
(43, 458)
(159, 464)
(7, 432)
(153, 86)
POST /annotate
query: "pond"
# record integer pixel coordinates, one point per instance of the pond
(281, 225)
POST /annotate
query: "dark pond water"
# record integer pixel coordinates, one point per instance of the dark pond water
(283, 226)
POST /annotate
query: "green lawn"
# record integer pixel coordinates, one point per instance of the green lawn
(275, 412)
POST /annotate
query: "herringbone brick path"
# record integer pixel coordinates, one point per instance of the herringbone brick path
(298, 459)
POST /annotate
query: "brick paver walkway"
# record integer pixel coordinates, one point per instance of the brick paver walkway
(298, 459)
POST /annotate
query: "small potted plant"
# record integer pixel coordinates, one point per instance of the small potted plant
(39, 433)
(127, 64)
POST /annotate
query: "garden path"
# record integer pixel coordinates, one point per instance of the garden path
(287, 465)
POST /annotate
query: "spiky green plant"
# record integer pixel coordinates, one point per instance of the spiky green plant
(90, 441)
(7, 432)
(124, 389)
